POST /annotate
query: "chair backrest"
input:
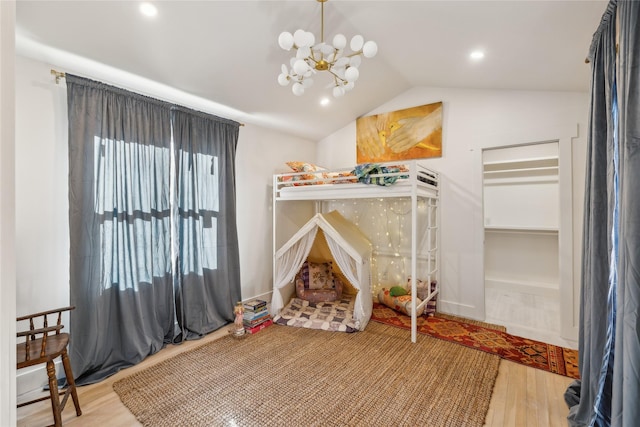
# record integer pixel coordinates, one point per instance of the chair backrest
(42, 344)
(38, 333)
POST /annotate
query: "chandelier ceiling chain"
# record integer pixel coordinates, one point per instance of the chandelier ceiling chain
(311, 58)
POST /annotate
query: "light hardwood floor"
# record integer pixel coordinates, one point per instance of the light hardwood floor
(522, 397)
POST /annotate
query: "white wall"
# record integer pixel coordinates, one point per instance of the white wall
(42, 207)
(7, 216)
(473, 120)
(261, 153)
(42, 228)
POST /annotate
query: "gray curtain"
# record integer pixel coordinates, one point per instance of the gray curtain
(609, 346)
(150, 265)
(119, 217)
(208, 267)
(626, 369)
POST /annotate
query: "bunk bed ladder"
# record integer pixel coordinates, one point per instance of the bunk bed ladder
(414, 249)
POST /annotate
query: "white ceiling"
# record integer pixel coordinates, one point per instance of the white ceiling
(227, 51)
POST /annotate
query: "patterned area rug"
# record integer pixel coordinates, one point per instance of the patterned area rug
(536, 354)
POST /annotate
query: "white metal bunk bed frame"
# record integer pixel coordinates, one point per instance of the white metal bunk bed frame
(417, 183)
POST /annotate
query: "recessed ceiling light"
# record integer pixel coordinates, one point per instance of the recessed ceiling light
(477, 54)
(147, 9)
(324, 101)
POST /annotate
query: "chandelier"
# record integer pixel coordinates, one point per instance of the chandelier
(311, 58)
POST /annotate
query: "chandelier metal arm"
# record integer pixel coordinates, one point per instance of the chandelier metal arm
(353, 54)
(337, 77)
(322, 20)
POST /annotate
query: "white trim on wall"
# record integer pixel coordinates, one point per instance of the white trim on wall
(7, 215)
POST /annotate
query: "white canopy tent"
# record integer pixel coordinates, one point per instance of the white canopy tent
(350, 249)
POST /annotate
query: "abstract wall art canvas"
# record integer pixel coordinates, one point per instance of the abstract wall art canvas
(412, 133)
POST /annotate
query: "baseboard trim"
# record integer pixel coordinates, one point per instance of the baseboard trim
(549, 337)
(461, 310)
(33, 379)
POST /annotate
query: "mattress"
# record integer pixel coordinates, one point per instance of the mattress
(334, 316)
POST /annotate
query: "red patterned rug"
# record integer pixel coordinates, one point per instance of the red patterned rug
(536, 354)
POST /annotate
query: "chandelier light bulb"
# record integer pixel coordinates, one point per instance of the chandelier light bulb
(285, 40)
(299, 38)
(370, 49)
(310, 39)
(339, 41)
(297, 89)
(283, 79)
(300, 67)
(311, 57)
(356, 43)
(351, 74)
(303, 52)
(326, 49)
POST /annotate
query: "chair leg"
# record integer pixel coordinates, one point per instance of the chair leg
(71, 381)
(53, 391)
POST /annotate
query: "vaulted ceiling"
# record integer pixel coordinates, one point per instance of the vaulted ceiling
(227, 51)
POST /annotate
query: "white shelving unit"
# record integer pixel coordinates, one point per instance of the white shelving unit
(521, 221)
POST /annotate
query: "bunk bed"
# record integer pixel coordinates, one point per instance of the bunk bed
(406, 180)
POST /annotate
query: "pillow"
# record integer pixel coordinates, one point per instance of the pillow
(304, 167)
(307, 167)
(398, 291)
(317, 275)
(401, 304)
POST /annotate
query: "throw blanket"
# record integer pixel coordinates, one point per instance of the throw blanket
(329, 316)
(365, 170)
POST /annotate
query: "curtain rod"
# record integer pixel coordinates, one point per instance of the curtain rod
(60, 75)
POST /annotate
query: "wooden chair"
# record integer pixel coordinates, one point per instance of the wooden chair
(43, 345)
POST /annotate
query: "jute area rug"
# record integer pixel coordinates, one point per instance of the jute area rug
(286, 376)
(489, 338)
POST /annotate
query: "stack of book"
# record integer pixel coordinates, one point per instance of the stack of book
(256, 316)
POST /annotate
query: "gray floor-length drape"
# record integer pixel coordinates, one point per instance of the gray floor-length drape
(626, 369)
(208, 267)
(609, 342)
(149, 265)
(119, 206)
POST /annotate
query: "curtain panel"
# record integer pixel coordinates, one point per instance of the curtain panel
(208, 264)
(625, 410)
(609, 345)
(119, 206)
(154, 252)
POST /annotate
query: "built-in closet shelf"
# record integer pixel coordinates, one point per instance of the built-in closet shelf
(521, 170)
(520, 165)
(550, 289)
(521, 229)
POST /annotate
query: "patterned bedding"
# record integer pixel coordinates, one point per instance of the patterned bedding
(334, 316)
